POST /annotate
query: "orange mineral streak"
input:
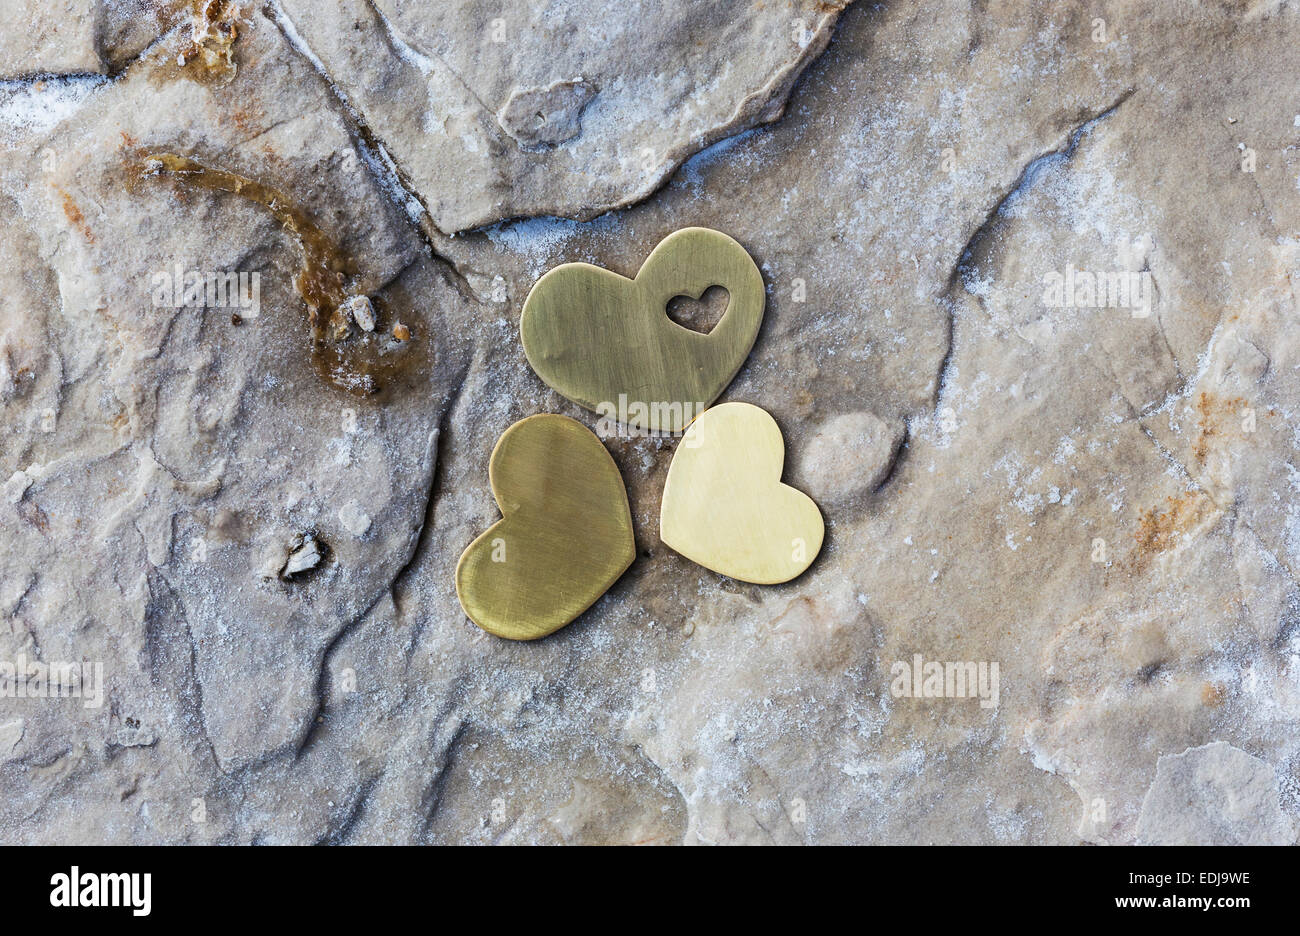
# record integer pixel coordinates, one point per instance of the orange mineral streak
(75, 217)
(1214, 416)
(1213, 694)
(1159, 530)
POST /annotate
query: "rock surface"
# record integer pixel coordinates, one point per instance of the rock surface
(500, 110)
(1214, 795)
(1090, 490)
(54, 38)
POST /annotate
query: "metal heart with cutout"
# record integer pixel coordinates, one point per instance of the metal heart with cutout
(606, 342)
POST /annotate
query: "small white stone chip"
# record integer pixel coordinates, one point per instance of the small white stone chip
(362, 312)
(354, 518)
(306, 556)
(16, 486)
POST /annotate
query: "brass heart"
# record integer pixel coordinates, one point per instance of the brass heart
(725, 507)
(564, 537)
(606, 342)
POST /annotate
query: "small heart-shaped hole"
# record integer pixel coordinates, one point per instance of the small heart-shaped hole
(700, 315)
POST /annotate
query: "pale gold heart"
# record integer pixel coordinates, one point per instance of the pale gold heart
(725, 507)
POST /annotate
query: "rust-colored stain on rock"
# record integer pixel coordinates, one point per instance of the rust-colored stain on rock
(1160, 530)
(75, 217)
(356, 362)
